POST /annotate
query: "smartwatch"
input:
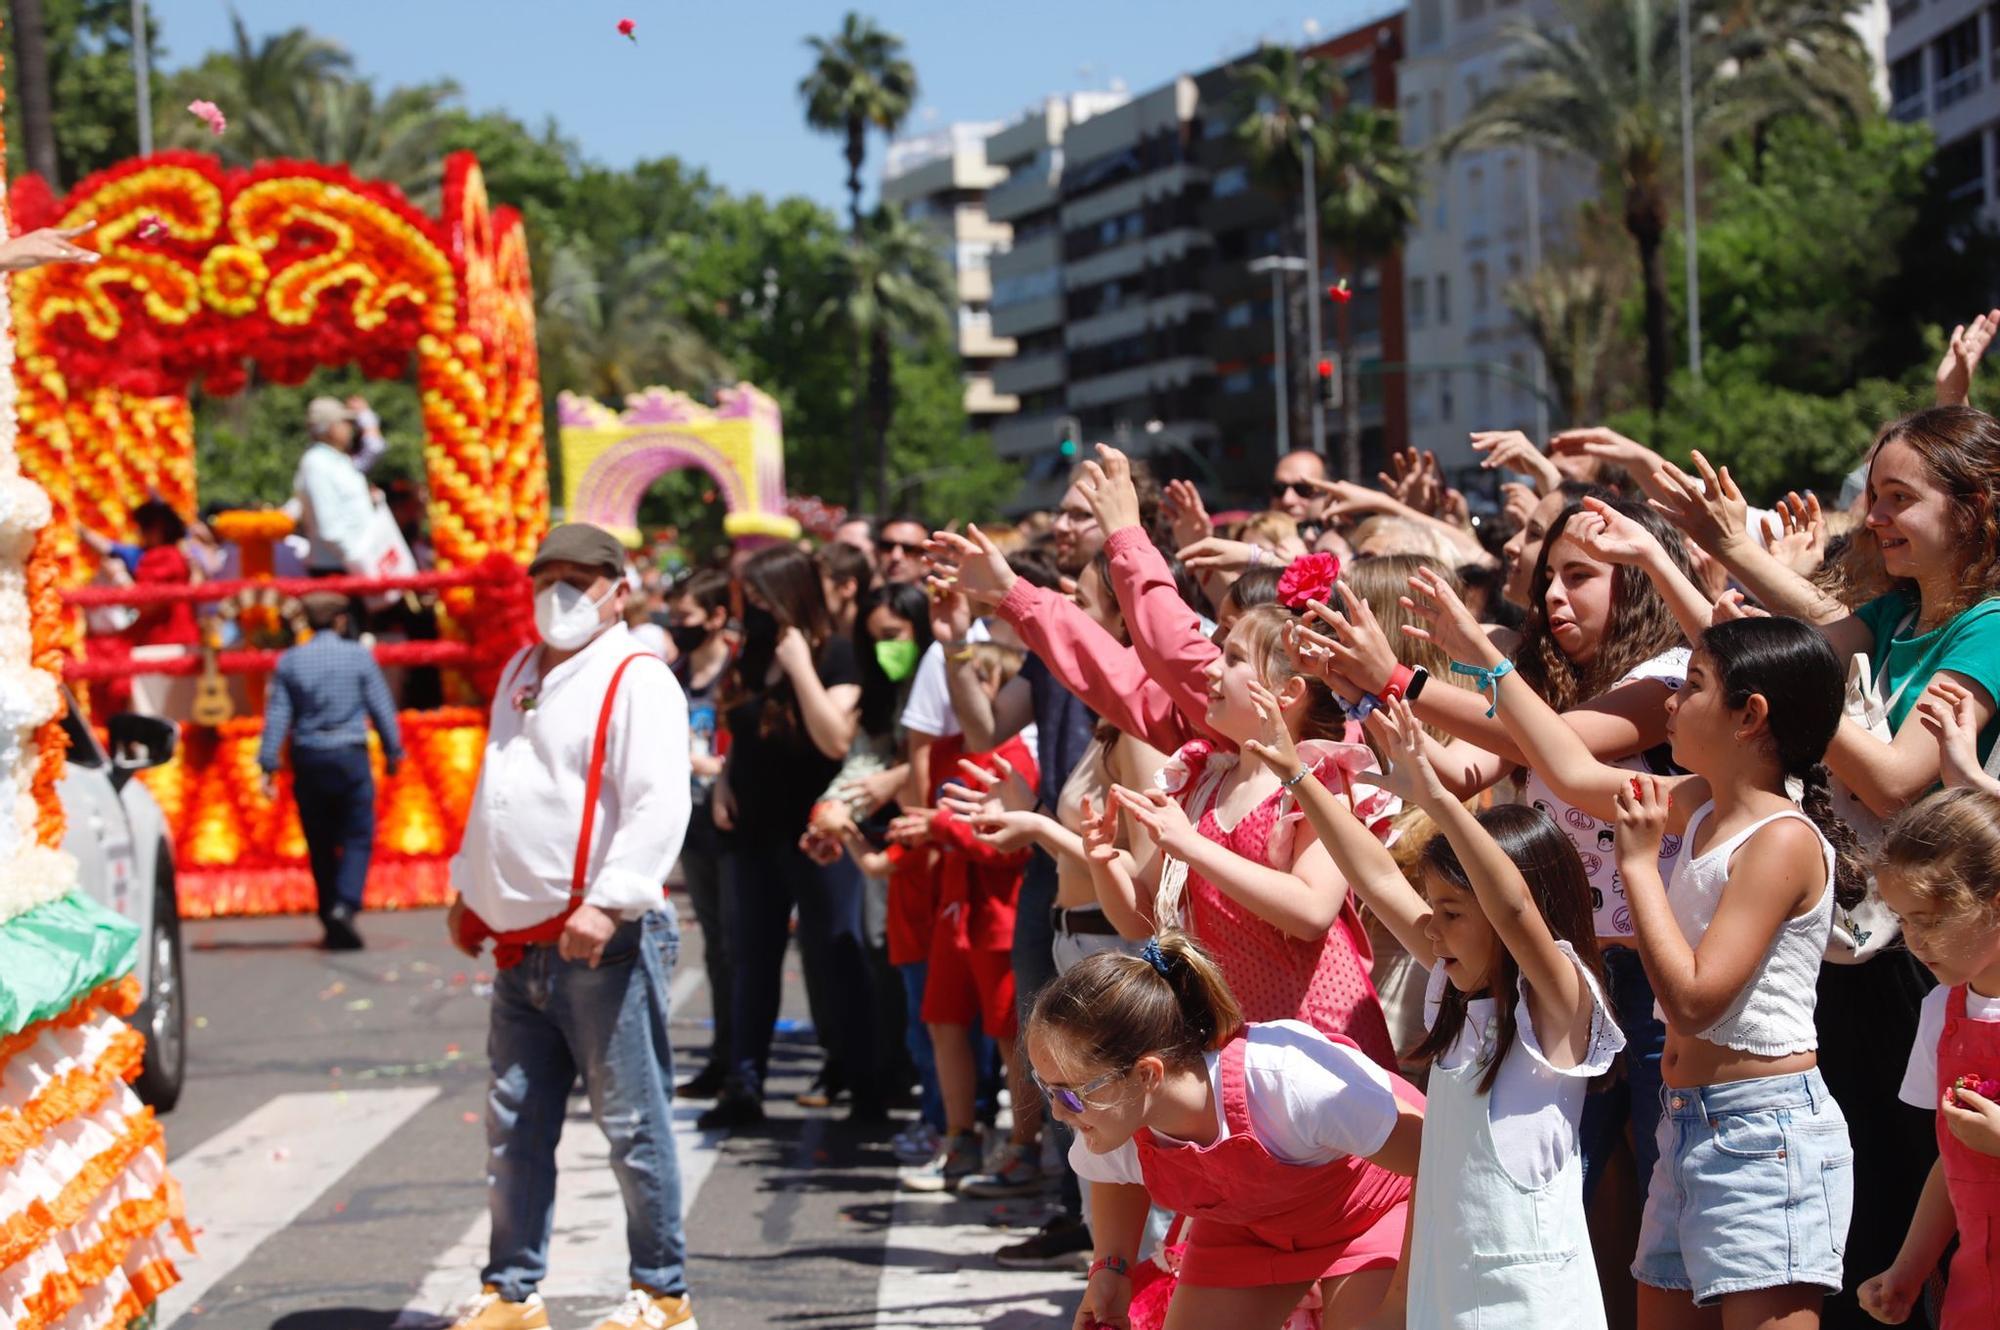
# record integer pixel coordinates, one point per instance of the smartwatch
(1418, 679)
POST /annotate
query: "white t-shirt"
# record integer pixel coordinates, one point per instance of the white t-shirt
(1310, 1101)
(927, 710)
(1534, 1106)
(651, 636)
(1595, 840)
(1920, 1087)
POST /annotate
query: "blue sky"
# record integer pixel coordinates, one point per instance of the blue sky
(715, 83)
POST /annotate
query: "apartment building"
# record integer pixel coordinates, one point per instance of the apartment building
(941, 179)
(1943, 60)
(1128, 288)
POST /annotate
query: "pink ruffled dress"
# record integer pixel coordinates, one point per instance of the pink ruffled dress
(1275, 976)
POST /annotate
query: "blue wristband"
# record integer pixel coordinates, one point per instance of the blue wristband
(1486, 681)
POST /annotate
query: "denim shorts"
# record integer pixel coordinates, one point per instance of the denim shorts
(1754, 1189)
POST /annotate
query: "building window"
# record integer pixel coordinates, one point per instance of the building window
(1239, 315)
(1437, 120)
(1420, 399)
(1444, 302)
(1413, 129)
(1961, 167)
(1906, 87)
(1430, 23)
(1473, 92)
(1418, 311)
(1242, 381)
(1902, 9)
(1957, 56)
(1444, 395)
(1478, 290)
(1234, 180)
(1476, 212)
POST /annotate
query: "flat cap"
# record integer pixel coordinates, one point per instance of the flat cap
(324, 411)
(580, 542)
(323, 606)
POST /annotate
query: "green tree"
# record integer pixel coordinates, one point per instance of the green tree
(1368, 202)
(1571, 312)
(33, 87)
(859, 80)
(941, 470)
(87, 59)
(1603, 85)
(607, 327)
(1278, 96)
(892, 285)
(247, 446)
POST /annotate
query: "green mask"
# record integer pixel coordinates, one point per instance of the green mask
(897, 659)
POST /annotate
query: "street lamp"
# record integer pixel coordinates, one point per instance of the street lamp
(1278, 265)
(142, 69)
(1687, 196)
(1306, 156)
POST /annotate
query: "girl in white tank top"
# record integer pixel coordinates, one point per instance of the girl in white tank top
(1746, 1111)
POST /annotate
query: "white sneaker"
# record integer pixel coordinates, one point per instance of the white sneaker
(917, 1143)
(642, 1311)
(489, 1311)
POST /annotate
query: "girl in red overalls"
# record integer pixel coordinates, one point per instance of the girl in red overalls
(1940, 872)
(1290, 1151)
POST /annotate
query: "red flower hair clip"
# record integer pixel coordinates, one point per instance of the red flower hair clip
(1306, 578)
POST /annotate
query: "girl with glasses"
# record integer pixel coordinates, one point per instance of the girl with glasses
(1290, 1152)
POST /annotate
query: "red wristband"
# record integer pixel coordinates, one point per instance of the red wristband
(1399, 680)
(1117, 1265)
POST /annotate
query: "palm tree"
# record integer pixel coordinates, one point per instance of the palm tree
(31, 86)
(1802, 55)
(1368, 202)
(1276, 94)
(892, 284)
(606, 328)
(1571, 312)
(1604, 86)
(859, 78)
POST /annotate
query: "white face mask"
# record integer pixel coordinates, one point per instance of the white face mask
(566, 617)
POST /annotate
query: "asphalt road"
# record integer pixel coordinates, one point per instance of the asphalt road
(331, 1147)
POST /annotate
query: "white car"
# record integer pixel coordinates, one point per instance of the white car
(125, 860)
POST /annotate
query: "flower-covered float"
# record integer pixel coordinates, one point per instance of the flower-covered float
(287, 267)
(89, 1219)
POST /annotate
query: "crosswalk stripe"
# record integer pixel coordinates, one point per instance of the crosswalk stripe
(939, 1271)
(248, 1182)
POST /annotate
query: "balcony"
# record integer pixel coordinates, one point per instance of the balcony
(977, 340)
(1031, 187)
(1028, 374)
(1027, 256)
(1956, 86)
(1126, 384)
(1119, 324)
(975, 285)
(982, 400)
(1027, 316)
(1134, 256)
(1164, 183)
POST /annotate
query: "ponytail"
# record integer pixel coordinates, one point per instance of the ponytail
(1170, 1002)
(1850, 874)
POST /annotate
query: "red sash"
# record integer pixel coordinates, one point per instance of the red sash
(510, 948)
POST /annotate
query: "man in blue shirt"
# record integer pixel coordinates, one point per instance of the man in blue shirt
(322, 696)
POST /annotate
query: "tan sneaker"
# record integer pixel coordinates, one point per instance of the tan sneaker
(490, 1311)
(641, 1310)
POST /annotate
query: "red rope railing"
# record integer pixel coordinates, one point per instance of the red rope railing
(442, 655)
(202, 592)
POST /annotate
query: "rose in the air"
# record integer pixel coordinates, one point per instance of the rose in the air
(1308, 577)
(209, 114)
(628, 29)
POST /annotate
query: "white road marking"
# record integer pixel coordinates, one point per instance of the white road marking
(246, 1183)
(938, 1270)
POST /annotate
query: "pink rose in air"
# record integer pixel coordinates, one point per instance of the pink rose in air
(209, 114)
(1308, 577)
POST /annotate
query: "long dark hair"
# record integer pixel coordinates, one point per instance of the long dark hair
(1960, 448)
(786, 579)
(881, 698)
(1641, 626)
(1804, 688)
(1548, 861)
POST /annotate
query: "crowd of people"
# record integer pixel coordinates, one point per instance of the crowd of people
(1582, 912)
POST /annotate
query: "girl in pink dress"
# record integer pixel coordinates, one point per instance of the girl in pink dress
(1235, 859)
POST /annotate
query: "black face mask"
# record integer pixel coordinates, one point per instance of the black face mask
(687, 637)
(760, 628)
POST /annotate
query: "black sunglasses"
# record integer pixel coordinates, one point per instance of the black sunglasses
(1280, 488)
(886, 547)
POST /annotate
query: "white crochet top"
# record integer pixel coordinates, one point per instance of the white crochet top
(1773, 1015)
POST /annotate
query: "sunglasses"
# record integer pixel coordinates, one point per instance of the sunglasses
(1070, 1098)
(888, 547)
(1280, 488)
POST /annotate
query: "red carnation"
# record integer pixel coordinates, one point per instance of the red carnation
(628, 29)
(1983, 1086)
(1340, 293)
(1308, 577)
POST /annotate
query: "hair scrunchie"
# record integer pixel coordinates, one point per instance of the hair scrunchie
(1153, 956)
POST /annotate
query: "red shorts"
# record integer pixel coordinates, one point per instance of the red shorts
(965, 985)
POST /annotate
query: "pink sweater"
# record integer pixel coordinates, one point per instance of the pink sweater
(1154, 689)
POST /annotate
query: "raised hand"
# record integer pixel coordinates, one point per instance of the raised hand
(1707, 506)
(1514, 451)
(1517, 501)
(1731, 605)
(1641, 820)
(1005, 832)
(1447, 622)
(1100, 830)
(1106, 485)
(1228, 558)
(951, 612)
(1795, 533)
(1361, 651)
(1188, 515)
(1403, 741)
(1962, 354)
(1164, 819)
(971, 565)
(48, 245)
(1946, 710)
(1345, 499)
(1607, 534)
(990, 792)
(1273, 745)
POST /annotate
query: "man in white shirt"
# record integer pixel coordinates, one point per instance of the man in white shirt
(581, 808)
(333, 505)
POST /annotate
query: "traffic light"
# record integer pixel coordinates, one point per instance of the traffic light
(1068, 446)
(1328, 371)
(1069, 434)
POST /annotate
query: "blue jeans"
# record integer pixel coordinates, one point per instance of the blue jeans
(1636, 1098)
(917, 1039)
(764, 882)
(1034, 969)
(552, 1019)
(335, 790)
(701, 873)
